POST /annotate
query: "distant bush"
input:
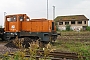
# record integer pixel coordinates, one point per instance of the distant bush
(57, 28)
(68, 27)
(0, 26)
(88, 28)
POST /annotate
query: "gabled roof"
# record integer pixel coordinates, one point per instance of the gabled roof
(71, 17)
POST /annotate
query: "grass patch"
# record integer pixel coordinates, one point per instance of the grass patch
(83, 49)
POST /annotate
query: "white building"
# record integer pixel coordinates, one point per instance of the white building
(77, 22)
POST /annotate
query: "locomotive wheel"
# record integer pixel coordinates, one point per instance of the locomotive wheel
(18, 42)
(26, 42)
(22, 42)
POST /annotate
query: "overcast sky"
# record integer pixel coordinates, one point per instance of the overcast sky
(38, 8)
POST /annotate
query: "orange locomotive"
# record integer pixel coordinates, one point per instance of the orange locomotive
(20, 25)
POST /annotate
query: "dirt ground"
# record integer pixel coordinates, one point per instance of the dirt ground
(4, 49)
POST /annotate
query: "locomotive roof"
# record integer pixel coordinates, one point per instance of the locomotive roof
(15, 14)
(39, 19)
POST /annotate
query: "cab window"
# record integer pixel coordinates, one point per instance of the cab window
(27, 19)
(21, 18)
(8, 19)
(11, 19)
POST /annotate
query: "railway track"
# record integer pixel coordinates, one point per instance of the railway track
(56, 55)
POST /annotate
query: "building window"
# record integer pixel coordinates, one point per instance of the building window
(79, 22)
(72, 22)
(66, 23)
(84, 22)
(60, 23)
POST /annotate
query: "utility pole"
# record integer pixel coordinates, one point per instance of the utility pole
(53, 12)
(47, 9)
(5, 14)
(4, 18)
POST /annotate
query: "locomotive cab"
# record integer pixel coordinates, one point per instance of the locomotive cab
(12, 22)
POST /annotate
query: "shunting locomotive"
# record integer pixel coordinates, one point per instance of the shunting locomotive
(21, 26)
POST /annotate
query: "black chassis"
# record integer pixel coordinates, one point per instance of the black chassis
(43, 36)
